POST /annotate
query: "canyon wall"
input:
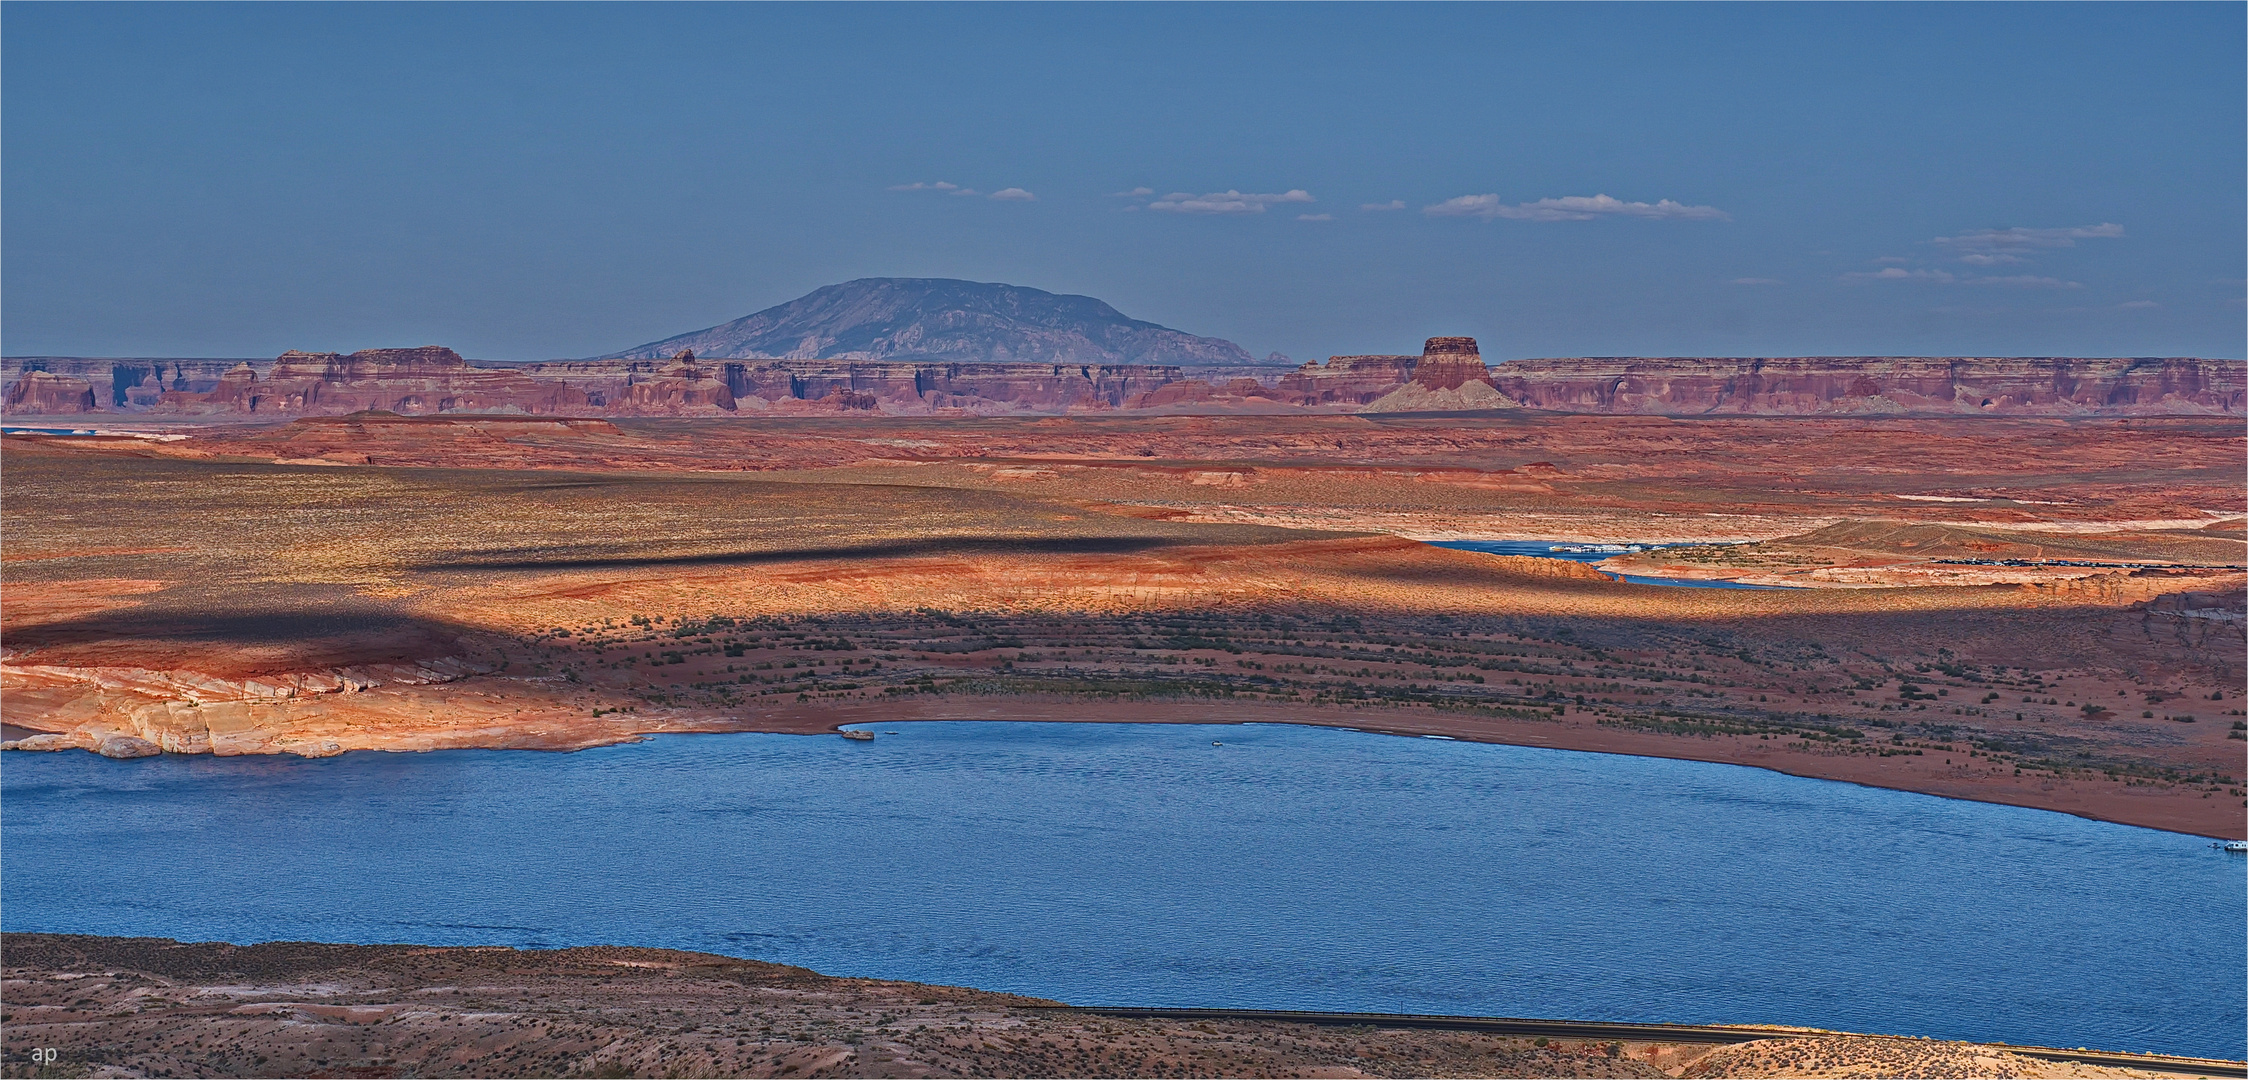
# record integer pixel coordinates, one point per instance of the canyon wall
(436, 380)
(2061, 386)
(1448, 376)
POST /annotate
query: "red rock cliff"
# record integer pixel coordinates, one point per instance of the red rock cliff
(435, 380)
(44, 393)
(1877, 384)
(1448, 363)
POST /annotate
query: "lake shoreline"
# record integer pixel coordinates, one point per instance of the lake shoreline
(303, 1008)
(1575, 731)
(1241, 859)
(2110, 801)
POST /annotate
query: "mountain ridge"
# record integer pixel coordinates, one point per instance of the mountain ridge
(944, 320)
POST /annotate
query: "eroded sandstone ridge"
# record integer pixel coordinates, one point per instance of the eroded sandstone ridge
(2047, 385)
(432, 380)
(1450, 376)
(923, 346)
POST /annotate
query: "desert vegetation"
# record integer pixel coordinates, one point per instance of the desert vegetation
(324, 586)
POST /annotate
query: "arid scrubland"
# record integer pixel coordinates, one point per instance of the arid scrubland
(376, 582)
(154, 1007)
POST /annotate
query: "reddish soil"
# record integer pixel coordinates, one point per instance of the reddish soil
(550, 584)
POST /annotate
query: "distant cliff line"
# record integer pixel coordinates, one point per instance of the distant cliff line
(1447, 376)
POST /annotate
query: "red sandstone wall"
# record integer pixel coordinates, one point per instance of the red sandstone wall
(434, 380)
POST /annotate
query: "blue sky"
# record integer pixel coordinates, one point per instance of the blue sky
(525, 181)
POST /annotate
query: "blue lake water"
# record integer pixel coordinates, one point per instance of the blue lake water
(1291, 867)
(1543, 549)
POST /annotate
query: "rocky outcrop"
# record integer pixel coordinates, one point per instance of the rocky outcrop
(43, 393)
(1192, 393)
(1448, 376)
(410, 382)
(125, 383)
(922, 388)
(680, 388)
(2213, 606)
(1448, 363)
(1346, 380)
(942, 319)
(1417, 397)
(2053, 386)
(125, 712)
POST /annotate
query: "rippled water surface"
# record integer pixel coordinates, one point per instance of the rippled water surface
(1543, 549)
(1140, 864)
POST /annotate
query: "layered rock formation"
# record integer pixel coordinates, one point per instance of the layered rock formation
(1467, 397)
(1448, 363)
(117, 382)
(923, 387)
(47, 394)
(1878, 384)
(1346, 380)
(943, 319)
(1449, 376)
(429, 379)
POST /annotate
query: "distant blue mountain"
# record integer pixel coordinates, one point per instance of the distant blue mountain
(923, 319)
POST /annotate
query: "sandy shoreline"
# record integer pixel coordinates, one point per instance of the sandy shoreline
(1573, 732)
(1576, 729)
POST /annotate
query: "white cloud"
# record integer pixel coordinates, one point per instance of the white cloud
(2025, 281)
(1898, 273)
(1946, 277)
(1754, 281)
(1999, 241)
(2137, 305)
(1315, 217)
(1393, 204)
(1978, 258)
(1226, 202)
(943, 186)
(955, 189)
(1569, 208)
(1135, 193)
(1013, 194)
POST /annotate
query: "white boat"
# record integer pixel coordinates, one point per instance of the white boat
(859, 736)
(2233, 845)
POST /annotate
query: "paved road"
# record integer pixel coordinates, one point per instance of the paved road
(1623, 1032)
